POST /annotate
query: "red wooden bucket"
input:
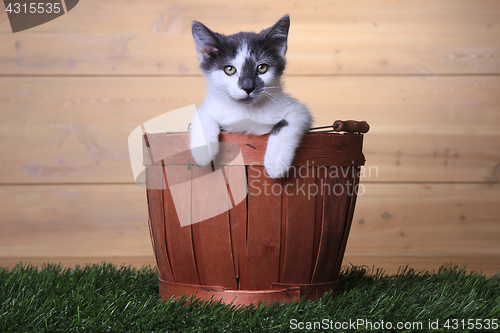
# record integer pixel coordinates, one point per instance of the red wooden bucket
(273, 245)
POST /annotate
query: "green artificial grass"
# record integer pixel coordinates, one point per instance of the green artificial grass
(104, 298)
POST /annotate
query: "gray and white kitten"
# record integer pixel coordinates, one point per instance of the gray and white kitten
(245, 94)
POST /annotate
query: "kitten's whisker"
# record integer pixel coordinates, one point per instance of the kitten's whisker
(273, 97)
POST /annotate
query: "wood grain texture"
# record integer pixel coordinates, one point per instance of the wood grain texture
(321, 175)
(336, 203)
(212, 233)
(350, 215)
(394, 105)
(175, 16)
(423, 129)
(74, 220)
(297, 229)
(238, 222)
(99, 153)
(345, 37)
(263, 231)
(425, 75)
(426, 220)
(111, 220)
(155, 182)
(179, 239)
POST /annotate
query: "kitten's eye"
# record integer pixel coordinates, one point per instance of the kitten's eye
(261, 69)
(229, 70)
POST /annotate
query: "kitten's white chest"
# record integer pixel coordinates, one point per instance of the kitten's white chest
(248, 126)
(244, 119)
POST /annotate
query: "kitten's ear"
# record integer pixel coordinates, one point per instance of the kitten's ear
(205, 41)
(277, 35)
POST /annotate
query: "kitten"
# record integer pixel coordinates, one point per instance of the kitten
(245, 94)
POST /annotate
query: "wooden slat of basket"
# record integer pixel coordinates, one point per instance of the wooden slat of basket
(263, 238)
(335, 210)
(312, 291)
(238, 223)
(162, 146)
(179, 239)
(318, 215)
(347, 228)
(235, 297)
(155, 182)
(297, 227)
(212, 237)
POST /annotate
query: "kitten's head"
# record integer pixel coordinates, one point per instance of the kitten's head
(246, 66)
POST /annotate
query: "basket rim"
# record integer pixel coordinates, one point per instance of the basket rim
(316, 149)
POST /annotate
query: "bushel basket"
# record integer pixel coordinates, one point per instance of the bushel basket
(229, 232)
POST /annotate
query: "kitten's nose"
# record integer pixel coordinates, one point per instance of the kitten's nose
(247, 85)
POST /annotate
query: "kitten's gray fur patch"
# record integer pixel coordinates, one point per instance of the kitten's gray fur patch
(277, 128)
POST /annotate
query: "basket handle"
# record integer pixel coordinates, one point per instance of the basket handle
(351, 126)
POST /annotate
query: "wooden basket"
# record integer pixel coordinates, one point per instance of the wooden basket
(270, 246)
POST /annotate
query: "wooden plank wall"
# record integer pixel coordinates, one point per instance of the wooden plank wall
(424, 74)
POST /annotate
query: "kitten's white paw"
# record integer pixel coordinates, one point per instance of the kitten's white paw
(203, 155)
(276, 163)
(276, 171)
